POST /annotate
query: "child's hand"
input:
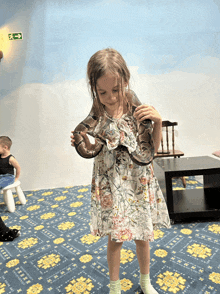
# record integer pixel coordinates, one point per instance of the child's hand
(89, 146)
(143, 112)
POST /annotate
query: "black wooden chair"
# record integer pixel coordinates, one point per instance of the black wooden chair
(166, 150)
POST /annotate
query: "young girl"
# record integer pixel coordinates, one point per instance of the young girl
(127, 203)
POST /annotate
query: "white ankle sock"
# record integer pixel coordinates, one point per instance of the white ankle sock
(115, 287)
(146, 286)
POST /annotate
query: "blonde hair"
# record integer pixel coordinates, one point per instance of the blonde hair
(107, 60)
(5, 141)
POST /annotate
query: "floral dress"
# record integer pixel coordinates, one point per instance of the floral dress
(126, 200)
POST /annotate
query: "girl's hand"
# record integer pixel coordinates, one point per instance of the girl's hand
(72, 140)
(143, 112)
(89, 146)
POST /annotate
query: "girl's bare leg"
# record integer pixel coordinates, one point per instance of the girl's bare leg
(143, 256)
(113, 257)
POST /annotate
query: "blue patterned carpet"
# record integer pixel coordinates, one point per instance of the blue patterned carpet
(56, 253)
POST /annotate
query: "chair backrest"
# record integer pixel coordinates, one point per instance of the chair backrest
(166, 149)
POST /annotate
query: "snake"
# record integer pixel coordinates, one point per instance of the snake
(141, 156)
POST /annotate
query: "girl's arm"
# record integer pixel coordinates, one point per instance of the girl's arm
(157, 133)
(16, 165)
(143, 112)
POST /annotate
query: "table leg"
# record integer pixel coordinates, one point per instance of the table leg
(169, 190)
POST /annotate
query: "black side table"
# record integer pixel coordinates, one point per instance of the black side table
(194, 203)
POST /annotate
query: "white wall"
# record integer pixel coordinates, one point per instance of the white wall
(39, 118)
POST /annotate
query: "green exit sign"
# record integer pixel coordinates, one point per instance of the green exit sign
(15, 36)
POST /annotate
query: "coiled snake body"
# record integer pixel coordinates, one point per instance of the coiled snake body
(141, 156)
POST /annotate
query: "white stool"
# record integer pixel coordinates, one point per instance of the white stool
(8, 196)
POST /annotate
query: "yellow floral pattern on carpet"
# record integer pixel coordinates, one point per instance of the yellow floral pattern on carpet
(215, 277)
(2, 288)
(89, 239)
(126, 256)
(86, 258)
(158, 234)
(126, 284)
(66, 226)
(186, 231)
(161, 253)
(171, 282)
(60, 198)
(76, 204)
(12, 263)
(34, 207)
(57, 254)
(199, 250)
(48, 261)
(58, 241)
(48, 215)
(28, 243)
(215, 228)
(47, 193)
(79, 286)
(35, 289)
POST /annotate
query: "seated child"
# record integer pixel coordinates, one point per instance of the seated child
(7, 165)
